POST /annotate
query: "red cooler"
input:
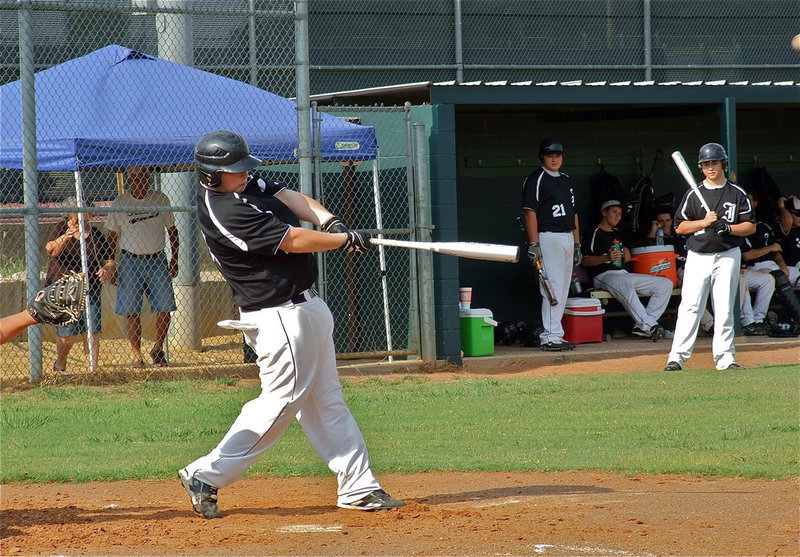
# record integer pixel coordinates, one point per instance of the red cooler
(583, 320)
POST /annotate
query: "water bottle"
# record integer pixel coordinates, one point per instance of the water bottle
(660, 237)
(617, 246)
(577, 289)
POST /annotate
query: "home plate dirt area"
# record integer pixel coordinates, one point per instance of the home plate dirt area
(546, 514)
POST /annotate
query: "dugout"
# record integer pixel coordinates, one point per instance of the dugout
(483, 141)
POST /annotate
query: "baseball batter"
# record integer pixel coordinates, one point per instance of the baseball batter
(605, 264)
(551, 224)
(252, 229)
(713, 258)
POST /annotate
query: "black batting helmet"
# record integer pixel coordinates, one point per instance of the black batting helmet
(222, 151)
(550, 146)
(506, 332)
(711, 152)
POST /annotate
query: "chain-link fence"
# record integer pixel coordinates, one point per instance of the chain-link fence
(369, 43)
(242, 49)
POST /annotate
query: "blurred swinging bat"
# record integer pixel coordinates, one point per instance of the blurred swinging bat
(470, 250)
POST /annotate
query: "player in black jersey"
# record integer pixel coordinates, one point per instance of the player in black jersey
(551, 224)
(713, 258)
(252, 228)
(788, 233)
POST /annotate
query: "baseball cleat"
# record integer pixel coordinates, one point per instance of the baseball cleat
(561, 346)
(734, 366)
(673, 366)
(654, 333)
(203, 496)
(378, 500)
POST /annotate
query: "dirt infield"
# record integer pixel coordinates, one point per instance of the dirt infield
(535, 513)
(549, 514)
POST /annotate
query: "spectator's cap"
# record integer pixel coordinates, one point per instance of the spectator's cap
(610, 203)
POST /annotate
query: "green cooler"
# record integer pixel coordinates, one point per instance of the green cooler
(477, 332)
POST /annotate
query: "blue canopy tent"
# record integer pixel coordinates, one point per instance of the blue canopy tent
(117, 107)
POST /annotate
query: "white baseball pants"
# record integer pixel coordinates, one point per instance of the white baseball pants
(767, 266)
(763, 286)
(627, 287)
(297, 363)
(704, 273)
(557, 253)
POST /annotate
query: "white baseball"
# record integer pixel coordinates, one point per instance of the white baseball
(796, 42)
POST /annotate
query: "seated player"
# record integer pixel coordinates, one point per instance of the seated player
(608, 267)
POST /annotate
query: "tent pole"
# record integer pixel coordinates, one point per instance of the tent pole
(82, 228)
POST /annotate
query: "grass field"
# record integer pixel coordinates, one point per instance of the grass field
(700, 423)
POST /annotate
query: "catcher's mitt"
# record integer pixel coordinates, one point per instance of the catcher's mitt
(61, 303)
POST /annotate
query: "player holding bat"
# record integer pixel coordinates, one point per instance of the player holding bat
(713, 259)
(551, 226)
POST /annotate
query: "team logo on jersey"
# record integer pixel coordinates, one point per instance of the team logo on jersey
(729, 212)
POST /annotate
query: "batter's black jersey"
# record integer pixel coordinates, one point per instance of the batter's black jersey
(730, 203)
(243, 232)
(790, 244)
(551, 198)
(761, 238)
(599, 242)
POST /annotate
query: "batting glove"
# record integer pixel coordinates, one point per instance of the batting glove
(357, 241)
(577, 256)
(722, 227)
(334, 225)
(534, 252)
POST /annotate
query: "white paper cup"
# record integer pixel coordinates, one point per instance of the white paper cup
(465, 296)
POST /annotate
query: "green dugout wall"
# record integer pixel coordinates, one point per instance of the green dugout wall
(484, 141)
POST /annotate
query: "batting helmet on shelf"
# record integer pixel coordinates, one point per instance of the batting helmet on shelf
(711, 152)
(506, 332)
(549, 147)
(222, 151)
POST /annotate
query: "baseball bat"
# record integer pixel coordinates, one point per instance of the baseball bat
(470, 250)
(687, 175)
(546, 284)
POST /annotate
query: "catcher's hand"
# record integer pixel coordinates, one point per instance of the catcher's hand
(61, 303)
(357, 241)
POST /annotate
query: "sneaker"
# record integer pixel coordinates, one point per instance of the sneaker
(654, 333)
(560, 346)
(378, 500)
(673, 366)
(203, 496)
(734, 366)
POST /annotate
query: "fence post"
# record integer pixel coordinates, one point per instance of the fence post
(175, 44)
(30, 177)
(425, 258)
(303, 92)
